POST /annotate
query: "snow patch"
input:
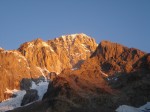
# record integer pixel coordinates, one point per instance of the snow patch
(85, 47)
(10, 91)
(30, 45)
(45, 44)
(51, 49)
(72, 36)
(145, 107)
(12, 103)
(74, 69)
(41, 70)
(19, 60)
(77, 54)
(20, 55)
(16, 54)
(41, 88)
(126, 108)
(87, 50)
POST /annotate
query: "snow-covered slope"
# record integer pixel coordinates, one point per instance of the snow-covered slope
(12, 103)
(41, 88)
(125, 108)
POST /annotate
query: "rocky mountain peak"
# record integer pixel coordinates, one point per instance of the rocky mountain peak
(72, 38)
(109, 50)
(69, 51)
(116, 57)
(1, 49)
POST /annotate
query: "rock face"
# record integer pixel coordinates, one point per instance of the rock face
(38, 58)
(64, 52)
(144, 62)
(30, 96)
(114, 57)
(25, 84)
(14, 67)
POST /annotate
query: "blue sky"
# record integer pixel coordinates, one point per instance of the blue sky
(123, 21)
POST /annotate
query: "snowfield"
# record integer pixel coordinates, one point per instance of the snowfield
(125, 108)
(41, 88)
(12, 103)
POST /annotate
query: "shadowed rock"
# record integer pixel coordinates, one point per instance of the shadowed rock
(30, 96)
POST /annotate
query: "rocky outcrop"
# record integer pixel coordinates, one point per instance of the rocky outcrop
(51, 75)
(14, 67)
(30, 96)
(25, 84)
(114, 57)
(55, 55)
(143, 63)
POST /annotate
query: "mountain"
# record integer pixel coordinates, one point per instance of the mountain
(114, 75)
(64, 52)
(38, 58)
(114, 57)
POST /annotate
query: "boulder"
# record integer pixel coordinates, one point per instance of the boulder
(25, 84)
(30, 96)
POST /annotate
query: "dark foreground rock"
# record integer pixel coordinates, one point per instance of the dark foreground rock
(25, 84)
(30, 96)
